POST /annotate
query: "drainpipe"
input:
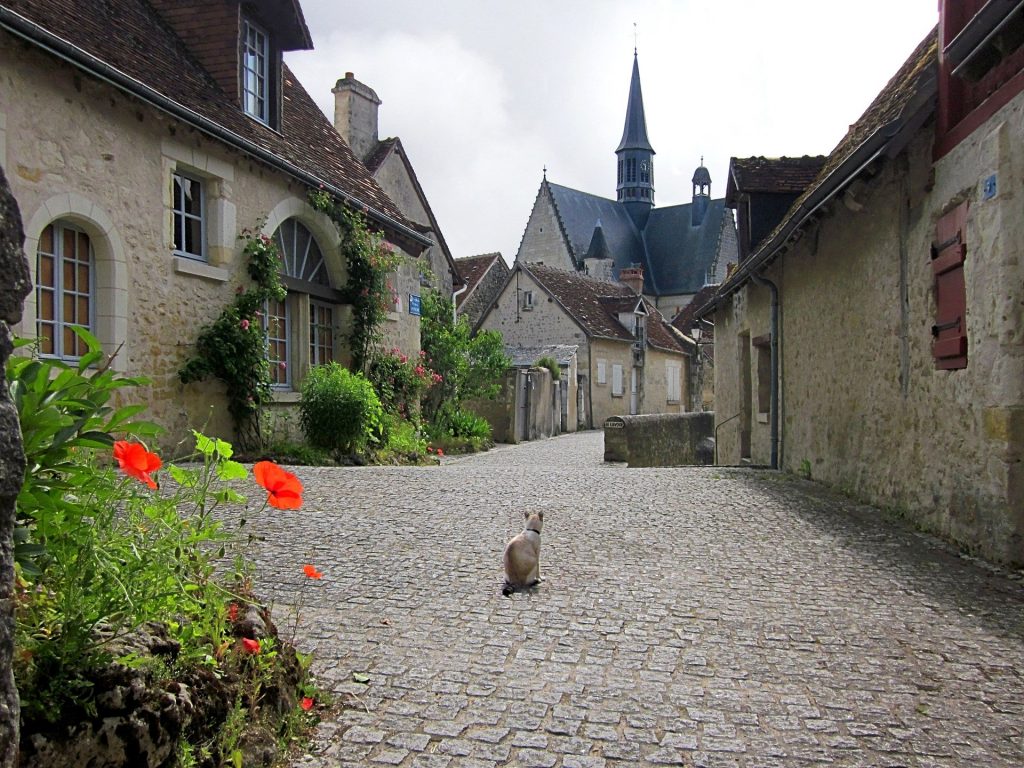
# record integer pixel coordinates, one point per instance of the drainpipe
(773, 416)
(455, 303)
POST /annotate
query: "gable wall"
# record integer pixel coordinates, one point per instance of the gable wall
(484, 291)
(863, 404)
(542, 240)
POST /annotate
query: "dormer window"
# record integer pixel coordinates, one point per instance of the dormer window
(255, 72)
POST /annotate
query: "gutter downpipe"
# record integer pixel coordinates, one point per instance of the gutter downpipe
(455, 303)
(773, 416)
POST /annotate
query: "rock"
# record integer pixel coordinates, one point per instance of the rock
(15, 286)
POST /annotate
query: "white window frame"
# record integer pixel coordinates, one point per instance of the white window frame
(180, 216)
(602, 371)
(617, 389)
(285, 338)
(255, 71)
(60, 324)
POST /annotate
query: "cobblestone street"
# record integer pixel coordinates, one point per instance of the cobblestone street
(694, 616)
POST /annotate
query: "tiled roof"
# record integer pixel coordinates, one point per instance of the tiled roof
(772, 174)
(683, 320)
(595, 304)
(675, 255)
(380, 154)
(147, 58)
(473, 268)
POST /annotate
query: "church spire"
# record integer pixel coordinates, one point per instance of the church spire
(635, 186)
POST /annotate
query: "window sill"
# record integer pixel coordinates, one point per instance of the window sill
(672, 402)
(286, 396)
(762, 418)
(201, 269)
(617, 395)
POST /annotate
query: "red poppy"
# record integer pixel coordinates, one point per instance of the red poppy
(135, 461)
(284, 490)
(307, 703)
(233, 612)
(312, 572)
(251, 646)
(440, 452)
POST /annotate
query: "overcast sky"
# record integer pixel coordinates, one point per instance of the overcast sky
(485, 93)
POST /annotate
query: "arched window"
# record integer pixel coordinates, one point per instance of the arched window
(65, 290)
(300, 329)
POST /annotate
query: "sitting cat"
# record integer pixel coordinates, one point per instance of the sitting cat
(522, 556)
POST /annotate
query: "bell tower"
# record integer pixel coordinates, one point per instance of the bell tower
(635, 174)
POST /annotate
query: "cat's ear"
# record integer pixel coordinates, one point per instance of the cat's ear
(540, 515)
(526, 515)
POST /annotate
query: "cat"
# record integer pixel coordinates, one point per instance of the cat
(522, 556)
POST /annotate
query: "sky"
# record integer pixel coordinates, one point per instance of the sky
(485, 94)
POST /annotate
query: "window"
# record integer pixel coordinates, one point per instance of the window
(949, 251)
(64, 289)
(602, 372)
(672, 384)
(255, 70)
(188, 217)
(631, 171)
(620, 171)
(616, 380)
(276, 323)
(527, 300)
(762, 345)
(321, 333)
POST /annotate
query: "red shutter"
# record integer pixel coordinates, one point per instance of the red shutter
(949, 345)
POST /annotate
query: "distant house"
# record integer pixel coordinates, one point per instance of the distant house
(140, 138)
(628, 359)
(874, 338)
(483, 275)
(679, 248)
(356, 108)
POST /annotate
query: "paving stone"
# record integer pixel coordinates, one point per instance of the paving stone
(725, 617)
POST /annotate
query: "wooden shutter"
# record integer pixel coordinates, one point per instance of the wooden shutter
(949, 333)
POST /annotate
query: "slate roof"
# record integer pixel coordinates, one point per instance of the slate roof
(779, 175)
(472, 269)
(634, 132)
(130, 44)
(901, 106)
(523, 357)
(595, 304)
(675, 255)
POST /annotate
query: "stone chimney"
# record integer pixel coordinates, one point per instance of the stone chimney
(355, 115)
(633, 278)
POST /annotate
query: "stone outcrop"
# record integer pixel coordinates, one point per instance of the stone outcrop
(14, 287)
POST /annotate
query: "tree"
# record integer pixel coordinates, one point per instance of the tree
(470, 366)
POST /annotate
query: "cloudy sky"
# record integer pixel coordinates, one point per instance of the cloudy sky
(485, 93)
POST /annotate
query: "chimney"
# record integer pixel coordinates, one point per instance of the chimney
(355, 115)
(633, 278)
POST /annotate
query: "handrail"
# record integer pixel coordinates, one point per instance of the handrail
(719, 426)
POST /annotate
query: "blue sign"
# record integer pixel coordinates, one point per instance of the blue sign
(989, 188)
(414, 304)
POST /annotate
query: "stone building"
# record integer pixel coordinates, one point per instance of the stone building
(356, 108)
(628, 360)
(140, 138)
(680, 248)
(484, 276)
(875, 337)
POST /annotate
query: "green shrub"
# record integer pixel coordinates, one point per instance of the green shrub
(400, 382)
(402, 442)
(340, 411)
(458, 423)
(552, 365)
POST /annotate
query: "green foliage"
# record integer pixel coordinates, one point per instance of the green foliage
(370, 261)
(340, 411)
(401, 382)
(403, 441)
(456, 423)
(552, 365)
(299, 454)
(471, 366)
(233, 348)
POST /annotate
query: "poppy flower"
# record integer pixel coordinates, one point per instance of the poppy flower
(312, 572)
(440, 452)
(307, 703)
(135, 461)
(284, 490)
(233, 613)
(251, 646)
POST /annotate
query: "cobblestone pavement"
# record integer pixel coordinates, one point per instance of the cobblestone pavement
(694, 616)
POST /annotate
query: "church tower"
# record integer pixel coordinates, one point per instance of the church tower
(636, 156)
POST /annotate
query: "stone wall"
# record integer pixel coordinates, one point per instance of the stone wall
(484, 292)
(16, 285)
(660, 440)
(863, 406)
(103, 162)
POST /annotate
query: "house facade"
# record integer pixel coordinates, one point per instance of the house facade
(875, 338)
(680, 248)
(628, 361)
(137, 169)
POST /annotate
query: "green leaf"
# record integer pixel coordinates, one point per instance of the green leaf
(224, 449)
(361, 677)
(228, 496)
(231, 470)
(204, 445)
(188, 478)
